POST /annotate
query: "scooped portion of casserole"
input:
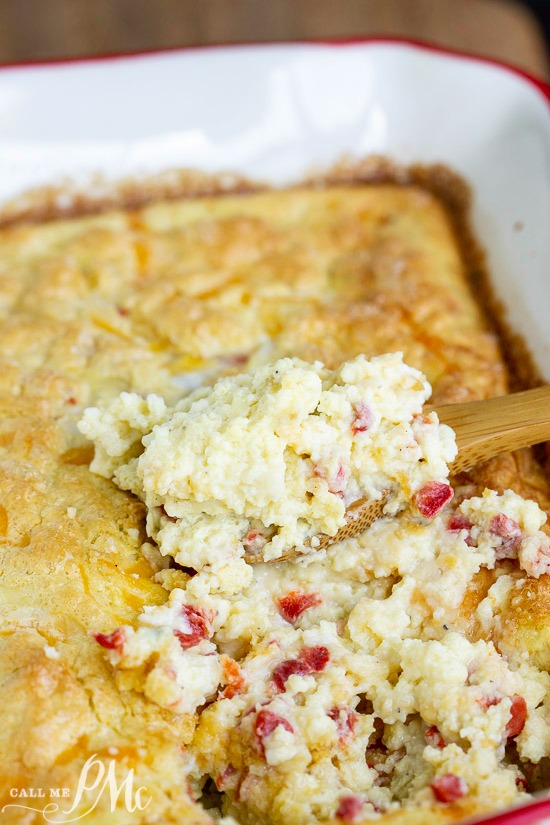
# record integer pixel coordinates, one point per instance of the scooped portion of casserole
(266, 461)
(403, 671)
(302, 690)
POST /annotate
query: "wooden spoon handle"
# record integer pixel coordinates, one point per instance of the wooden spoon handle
(498, 425)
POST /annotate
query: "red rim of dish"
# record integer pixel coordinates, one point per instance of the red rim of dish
(540, 85)
(529, 814)
(533, 813)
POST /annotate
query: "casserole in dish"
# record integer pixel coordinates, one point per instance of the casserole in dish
(166, 298)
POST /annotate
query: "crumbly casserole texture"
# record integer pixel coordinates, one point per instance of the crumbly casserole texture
(163, 301)
(264, 462)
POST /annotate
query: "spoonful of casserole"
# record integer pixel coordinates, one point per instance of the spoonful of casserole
(289, 458)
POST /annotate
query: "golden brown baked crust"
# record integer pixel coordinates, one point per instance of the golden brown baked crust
(150, 301)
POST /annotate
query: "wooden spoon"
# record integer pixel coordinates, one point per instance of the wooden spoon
(483, 430)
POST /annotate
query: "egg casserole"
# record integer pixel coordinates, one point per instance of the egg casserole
(400, 676)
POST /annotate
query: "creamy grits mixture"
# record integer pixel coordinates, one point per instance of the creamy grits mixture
(341, 684)
(263, 462)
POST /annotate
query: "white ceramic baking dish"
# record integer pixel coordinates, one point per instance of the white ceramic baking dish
(275, 112)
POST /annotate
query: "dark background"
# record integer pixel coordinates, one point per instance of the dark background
(541, 8)
(509, 30)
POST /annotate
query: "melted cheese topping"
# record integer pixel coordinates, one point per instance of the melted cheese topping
(93, 306)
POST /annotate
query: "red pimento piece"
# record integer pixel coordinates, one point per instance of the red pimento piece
(364, 418)
(504, 526)
(489, 701)
(314, 659)
(522, 784)
(518, 717)
(432, 497)
(349, 808)
(345, 720)
(112, 641)
(296, 602)
(310, 660)
(226, 779)
(434, 738)
(510, 532)
(449, 788)
(285, 670)
(458, 522)
(266, 723)
(199, 626)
